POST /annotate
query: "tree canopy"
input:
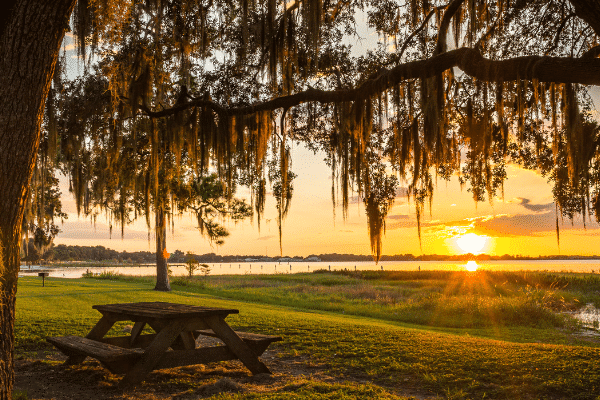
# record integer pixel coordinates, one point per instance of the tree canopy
(452, 88)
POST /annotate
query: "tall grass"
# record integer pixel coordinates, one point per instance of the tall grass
(447, 299)
(106, 275)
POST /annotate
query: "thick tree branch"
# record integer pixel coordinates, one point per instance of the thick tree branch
(591, 53)
(589, 11)
(453, 7)
(543, 69)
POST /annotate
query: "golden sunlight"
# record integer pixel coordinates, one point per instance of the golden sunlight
(471, 266)
(471, 243)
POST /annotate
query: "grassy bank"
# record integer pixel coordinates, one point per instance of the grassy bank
(437, 299)
(390, 355)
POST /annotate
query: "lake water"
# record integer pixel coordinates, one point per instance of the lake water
(241, 268)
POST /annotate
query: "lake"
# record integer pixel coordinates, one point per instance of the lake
(587, 266)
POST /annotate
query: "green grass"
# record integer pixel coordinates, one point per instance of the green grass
(431, 298)
(448, 362)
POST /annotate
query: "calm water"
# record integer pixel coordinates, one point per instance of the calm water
(588, 266)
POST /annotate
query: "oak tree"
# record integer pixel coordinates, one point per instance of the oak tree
(454, 87)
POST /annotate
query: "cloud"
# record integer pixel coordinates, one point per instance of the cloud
(527, 225)
(266, 237)
(517, 225)
(405, 221)
(398, 216)
(534, 207)
(401, 224)
(491, 225)
(86, 230)
(502, 225)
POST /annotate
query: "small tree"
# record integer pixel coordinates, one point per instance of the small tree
(191, 263)
(42, 209)
(205, 268)
(141, 173)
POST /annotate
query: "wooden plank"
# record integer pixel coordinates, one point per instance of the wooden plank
(97, 332)
(101, 327)
(162, 310)
(153, 353)
(188, 339)
(237, 345)
(135, 331)
(87, 347)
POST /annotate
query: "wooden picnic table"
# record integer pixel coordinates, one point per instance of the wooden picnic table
(174, 343)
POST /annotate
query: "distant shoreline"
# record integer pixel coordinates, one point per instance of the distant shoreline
(75, 254)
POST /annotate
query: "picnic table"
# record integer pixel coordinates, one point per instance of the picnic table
(174, 342)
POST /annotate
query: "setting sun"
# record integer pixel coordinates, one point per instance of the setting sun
(471, 243)
(471, 266)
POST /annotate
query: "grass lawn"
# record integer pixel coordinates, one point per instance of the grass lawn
(376, 356)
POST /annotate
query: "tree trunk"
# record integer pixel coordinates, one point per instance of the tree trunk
(162, 269)
(30, 37)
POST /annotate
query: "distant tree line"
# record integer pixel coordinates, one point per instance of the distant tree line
(64, 253)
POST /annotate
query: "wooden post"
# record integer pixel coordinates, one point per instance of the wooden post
(237, 345)
(154, 353)
(43, 275)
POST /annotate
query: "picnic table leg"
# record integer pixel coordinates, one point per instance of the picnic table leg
(97, 333)
(189, 342)
(153, 353)
(135, 331)
(237, 345)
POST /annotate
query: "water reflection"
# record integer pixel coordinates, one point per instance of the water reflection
(588, 315)
(581, 266)
(471, 266)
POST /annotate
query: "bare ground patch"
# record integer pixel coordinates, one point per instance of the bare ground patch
(42, 375)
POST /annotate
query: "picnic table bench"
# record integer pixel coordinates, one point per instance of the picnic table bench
(177, 328)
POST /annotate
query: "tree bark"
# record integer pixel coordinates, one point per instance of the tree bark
(589, 11)
(162, 269)
(31, 34)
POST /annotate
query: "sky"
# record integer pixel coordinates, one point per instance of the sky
(523, 222)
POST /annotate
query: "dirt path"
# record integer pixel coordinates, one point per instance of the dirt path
(43, 376)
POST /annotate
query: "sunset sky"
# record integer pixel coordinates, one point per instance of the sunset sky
(523, 222)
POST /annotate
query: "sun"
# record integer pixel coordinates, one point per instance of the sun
(471, 243)
(471, 266)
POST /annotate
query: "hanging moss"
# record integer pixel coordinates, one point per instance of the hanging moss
(420, 129)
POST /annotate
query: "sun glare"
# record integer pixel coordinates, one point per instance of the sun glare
(471, 243)
(471, 266)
